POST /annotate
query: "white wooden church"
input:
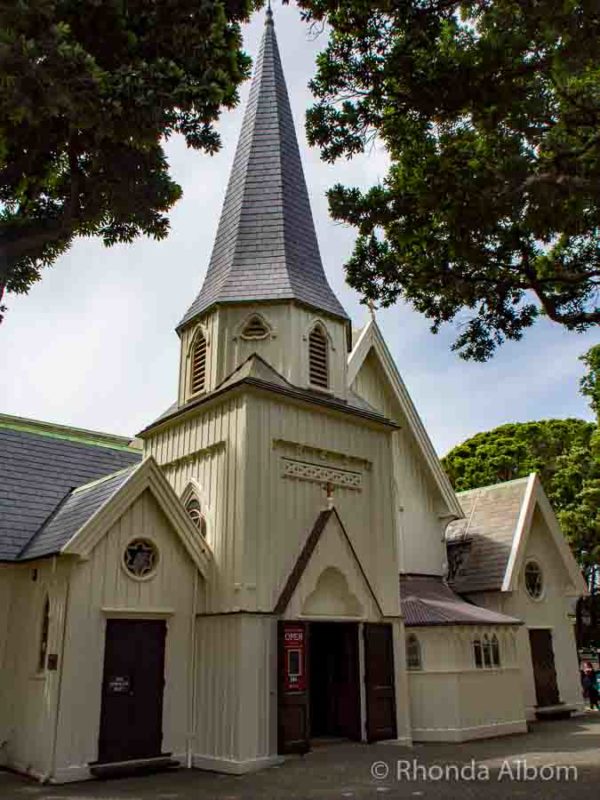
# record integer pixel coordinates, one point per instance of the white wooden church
(285, 560)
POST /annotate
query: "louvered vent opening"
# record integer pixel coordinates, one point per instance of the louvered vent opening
(198, 375)
(318, 367)
(255, 328)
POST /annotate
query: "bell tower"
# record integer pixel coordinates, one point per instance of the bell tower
(265, 290)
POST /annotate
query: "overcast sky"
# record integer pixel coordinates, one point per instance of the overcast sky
(93, 344)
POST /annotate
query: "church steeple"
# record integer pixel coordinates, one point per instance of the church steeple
(266, 246)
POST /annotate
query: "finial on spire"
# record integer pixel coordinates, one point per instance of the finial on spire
(269, 19)
(372, 308)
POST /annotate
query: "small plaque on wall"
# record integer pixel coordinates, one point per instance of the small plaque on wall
(52, 662)
(119, 684)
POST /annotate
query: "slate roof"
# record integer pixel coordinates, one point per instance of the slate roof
(37, 472)
(255, 371)
(266, 245)
(72, 513)
(427, 601)
(489, 527)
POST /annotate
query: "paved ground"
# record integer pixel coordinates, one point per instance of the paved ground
(567, 752)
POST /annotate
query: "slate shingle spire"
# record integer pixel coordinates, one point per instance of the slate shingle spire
(266, 246)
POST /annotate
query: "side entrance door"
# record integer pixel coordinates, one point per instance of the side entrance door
(132, 690)
(544, 670)
(293, 723)
(379, 682)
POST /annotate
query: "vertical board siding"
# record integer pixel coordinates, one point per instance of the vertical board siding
(418, 503)
(218, 661)
(28, 697)
(258, 520)
(281, 511)
(235, 687)
(214, 443)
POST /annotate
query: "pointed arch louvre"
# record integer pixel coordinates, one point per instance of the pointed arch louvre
(198, 364)
(318, 358)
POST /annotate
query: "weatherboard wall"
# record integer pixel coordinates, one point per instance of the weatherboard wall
(28, 695)
(452, 700)
(295, 450)
(245, 454)
(236, 692)
(208, 448)
(417, 502)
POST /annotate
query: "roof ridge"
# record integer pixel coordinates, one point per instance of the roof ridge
(110, 476)
(496, 485)
(67, 433)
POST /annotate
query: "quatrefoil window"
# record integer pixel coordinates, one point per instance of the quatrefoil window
(141, 558)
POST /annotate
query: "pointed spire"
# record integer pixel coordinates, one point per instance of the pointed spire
(266, 245)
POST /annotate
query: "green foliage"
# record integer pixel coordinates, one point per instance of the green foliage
(89, 91)
(581, 519)
(516, 450)
(590, 383)
(490, 110)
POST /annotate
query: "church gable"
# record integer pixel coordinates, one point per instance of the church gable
(504, 525)
(538, 538)
(145, 479)
(373, 375)
(541, 553)
(328, 579)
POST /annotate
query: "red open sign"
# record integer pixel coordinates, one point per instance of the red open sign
(294, 647)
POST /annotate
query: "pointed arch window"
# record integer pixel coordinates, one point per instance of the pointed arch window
(198, 364)
(255, 328)
(487, 651)
(44, 631)
(318, 358)
(534, 580)
(478, 652)
(495, 651)
(413, 653)
(194, 510)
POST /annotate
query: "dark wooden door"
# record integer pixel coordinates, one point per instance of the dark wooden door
(544, 670)
(380, 682)
(334, 690)
(293, 724)
(132, 690)
(348, 687)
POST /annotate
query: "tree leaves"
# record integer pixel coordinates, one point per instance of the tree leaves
(490, 213)
(88, 93)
